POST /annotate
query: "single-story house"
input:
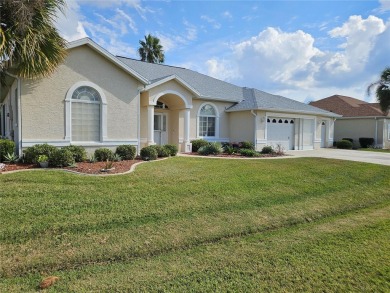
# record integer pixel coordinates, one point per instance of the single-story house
(96, 99)
(359, 119)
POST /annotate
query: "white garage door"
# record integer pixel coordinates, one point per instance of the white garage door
(280, 131)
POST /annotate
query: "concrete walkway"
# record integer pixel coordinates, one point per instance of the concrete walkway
(349, 155)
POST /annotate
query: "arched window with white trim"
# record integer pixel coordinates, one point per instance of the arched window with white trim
(86, 109)
(208, 121)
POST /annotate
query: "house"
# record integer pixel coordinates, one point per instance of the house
(96, 99)
(359, 119)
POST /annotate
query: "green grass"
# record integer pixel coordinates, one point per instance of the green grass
(374, 150)
(191, 224)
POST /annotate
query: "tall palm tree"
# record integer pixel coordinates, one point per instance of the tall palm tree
(31, 47)
(382, 90)
(151, 50)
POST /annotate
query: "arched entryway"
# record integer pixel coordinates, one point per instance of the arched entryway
(168, 120)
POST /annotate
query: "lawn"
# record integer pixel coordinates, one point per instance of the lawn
(193, 224)
(374, 150)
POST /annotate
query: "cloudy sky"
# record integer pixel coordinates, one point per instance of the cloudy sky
(304, 50)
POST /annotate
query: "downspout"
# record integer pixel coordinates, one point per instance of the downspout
(19, 106)
(139, 123)
(376, 131)
(255, 130)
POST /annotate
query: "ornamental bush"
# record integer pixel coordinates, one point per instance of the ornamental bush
(103, 154)
(247, 145)
(148, 153)
(349, 139)
(212, 148)
(365, 142)
(6, 147)
(61, 158)
(126, 152)
(344, 144)
(267, 150)
(248, 153)
(32, 153)
(79, 153)
(161, 151)
(198, 143)
(171, 149)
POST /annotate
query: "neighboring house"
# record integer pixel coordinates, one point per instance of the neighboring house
(360, 119)
(97, 100)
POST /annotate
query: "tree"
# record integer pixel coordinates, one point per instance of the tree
(30, 46)
(382, 90)
(151, 50)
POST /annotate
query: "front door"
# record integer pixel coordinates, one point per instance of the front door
(160, 128)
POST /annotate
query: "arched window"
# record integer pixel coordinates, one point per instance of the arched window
(85, 114)
(208, 121)
(86, 109)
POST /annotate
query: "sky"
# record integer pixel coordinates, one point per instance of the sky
(303, 50)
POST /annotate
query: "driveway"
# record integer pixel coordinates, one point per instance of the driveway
(349, 155)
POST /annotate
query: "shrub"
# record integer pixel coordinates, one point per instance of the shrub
(267, 150)
(344, 144)
(161, 152)
(247, 145)
(249, 153)
(148, 153)
(6, 147)
(103, 154)
(31, 154)
(11, 158)
(116, 158)
(197, 144)
(349, 139)
(171, 149)
(365, 142)
(127, 152)
(229, 150)
(61, 158)
(79, 153)
(212, 148)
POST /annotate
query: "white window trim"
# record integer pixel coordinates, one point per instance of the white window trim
(216, 122)
(68, 110)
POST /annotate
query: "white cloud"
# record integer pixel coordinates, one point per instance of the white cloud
(70, 24)
(227, 14)
(191, 31)
(211, 21)
(385, 5)
(128, 19)
(221, 69)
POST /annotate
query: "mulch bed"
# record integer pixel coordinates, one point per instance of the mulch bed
(83, 167)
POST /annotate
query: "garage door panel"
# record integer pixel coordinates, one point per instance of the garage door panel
(281, 131)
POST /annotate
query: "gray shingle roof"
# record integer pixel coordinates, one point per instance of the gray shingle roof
(256, 99)
(209, 87)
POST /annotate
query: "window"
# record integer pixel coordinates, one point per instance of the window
(207, 121)
(86, 111)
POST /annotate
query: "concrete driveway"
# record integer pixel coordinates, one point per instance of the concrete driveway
(349, 155)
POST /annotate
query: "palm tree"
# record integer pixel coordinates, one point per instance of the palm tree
(30, 47)
(151, 50)
(382, 90)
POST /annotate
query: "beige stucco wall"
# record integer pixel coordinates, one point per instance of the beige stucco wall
(242, 126)
(43, 104)
(355, 128)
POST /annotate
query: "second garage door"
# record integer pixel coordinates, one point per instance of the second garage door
(281, 131)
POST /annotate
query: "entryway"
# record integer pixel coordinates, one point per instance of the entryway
(160, 128)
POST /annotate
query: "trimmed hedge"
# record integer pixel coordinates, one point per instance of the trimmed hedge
(171, 149)
(248, 153)
(148, 153)
(365, 142)
(61, 158)
(6, 147)
(246, 145)
(349, 139)
(103, 154)
(198, 143)
(267, 150)
(126, 152)
(212, 148)
(79, 153)
(32, 153)
(344, 144)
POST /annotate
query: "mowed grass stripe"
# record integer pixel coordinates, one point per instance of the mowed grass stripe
(343, 253)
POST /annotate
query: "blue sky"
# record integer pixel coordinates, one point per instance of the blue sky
(304, 50)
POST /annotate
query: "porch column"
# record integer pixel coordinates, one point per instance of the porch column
(186, 125)
(150, 124)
